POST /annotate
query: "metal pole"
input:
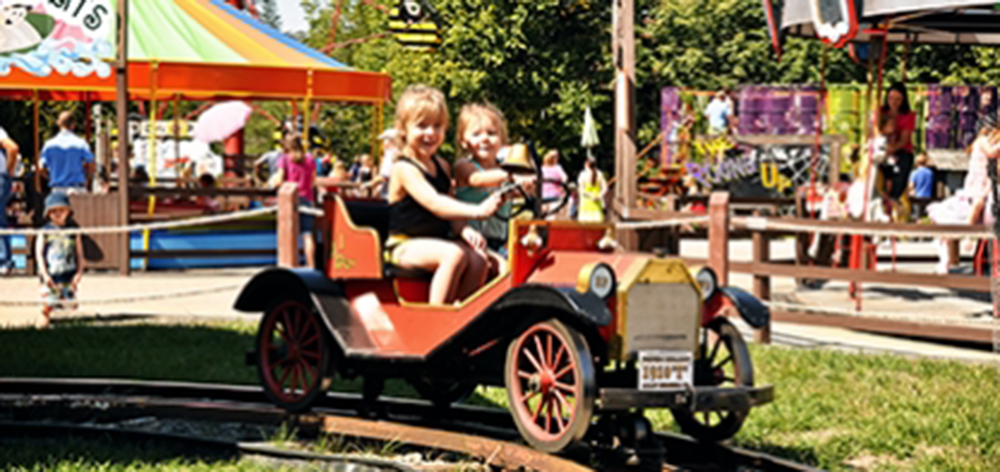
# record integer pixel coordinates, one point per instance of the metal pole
(121, 106)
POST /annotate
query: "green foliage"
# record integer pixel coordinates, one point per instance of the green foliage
(541, 62)
(269, 13)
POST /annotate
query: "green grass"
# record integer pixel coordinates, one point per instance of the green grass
(832, 410)
(107, 455)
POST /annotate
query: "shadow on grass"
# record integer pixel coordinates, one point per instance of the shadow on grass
(211, 352)
(803, 454)
(63, 452)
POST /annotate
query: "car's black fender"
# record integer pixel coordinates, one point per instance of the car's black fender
(585, 307)
(755, 313)
(277, 284)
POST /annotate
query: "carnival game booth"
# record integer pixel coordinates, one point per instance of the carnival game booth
(178, 50)
(875, 23)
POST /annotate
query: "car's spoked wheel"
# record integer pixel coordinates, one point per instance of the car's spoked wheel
(292, 355)
(550, 384)
(724, 362)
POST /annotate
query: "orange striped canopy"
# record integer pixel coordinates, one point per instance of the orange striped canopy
(195, 50)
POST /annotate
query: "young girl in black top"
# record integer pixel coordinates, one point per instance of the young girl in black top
(426, 225)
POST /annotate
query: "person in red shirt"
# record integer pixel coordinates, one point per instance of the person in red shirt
(899, 147)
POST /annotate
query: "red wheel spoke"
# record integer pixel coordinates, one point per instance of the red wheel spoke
(560, 401)
(311, 340)
(310, 354)
(313, 372)
(534, 362)
(705, 418)
(547, 402)
(289, 328)
(282, 332)
(724, 362)
(296, 375)
(541, 351)
(309, 327)
(558, 359)
(302, 380)
(284, 377)
(548, 352)
(529, 397)
(538, 410)
(563, 371)
(715, 349)
(524, 375)
(567, 388)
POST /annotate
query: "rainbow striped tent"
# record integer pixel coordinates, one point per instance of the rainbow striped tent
(182, 49)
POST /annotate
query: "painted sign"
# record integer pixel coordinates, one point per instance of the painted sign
(42, 37)
(755, 170)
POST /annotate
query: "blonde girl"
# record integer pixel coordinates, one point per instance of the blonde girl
(426, 225)
(481, 133)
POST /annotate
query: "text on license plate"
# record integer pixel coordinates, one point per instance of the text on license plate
(660, 370)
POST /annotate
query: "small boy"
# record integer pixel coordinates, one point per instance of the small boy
(60, 256)
(922, 178)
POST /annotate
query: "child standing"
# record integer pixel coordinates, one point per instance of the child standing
(295, 165)
(60, 257)
(481, 133)
(592, 188)
(426, 225)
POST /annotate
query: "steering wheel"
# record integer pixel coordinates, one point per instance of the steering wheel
(527, 202)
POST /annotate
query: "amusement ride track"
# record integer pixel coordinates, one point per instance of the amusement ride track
(486, 433)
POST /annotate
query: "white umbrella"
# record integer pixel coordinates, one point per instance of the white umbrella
(221, 120)
(589, 138)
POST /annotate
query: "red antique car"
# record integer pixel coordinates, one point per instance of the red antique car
(574, 329)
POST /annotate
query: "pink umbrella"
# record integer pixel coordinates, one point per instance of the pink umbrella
(220, 121)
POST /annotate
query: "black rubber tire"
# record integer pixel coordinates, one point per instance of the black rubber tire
(728, 422)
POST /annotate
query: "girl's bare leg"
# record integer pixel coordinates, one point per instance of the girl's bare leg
(475, 272)
(445, 258)
(309, 245)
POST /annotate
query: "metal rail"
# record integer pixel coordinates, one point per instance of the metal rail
(413, 422)
(19, 429)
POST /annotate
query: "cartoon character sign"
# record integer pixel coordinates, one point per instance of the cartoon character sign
(835, 21)
(42, 37)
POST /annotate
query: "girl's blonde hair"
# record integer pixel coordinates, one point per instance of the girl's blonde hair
(474, 112)
(292, 146)
(551, 157)
(419, 102)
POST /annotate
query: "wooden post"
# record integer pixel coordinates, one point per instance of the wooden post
(762, 283)
(718, 235)
(288, 225)
(623, 55)
(672, 204)
(121, 108)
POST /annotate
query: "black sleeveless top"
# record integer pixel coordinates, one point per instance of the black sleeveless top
(408, 217)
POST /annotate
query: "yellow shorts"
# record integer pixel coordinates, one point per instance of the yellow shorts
(391, 244)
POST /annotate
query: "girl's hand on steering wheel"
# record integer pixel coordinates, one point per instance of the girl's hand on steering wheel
(473, 238)
(527, 182)
(490, 205)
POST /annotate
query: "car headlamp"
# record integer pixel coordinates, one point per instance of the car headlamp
(708, 282)
(597, 278)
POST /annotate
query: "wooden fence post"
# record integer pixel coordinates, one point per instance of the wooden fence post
(672, 204)
(718, 235)
(762, 283)
(288, 225)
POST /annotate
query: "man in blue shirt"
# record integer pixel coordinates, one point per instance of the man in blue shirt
(718, 113)
(922, 179)
(8, 160)
(67, 159)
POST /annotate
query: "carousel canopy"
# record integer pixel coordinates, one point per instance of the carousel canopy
(192, 49)
(919, 21)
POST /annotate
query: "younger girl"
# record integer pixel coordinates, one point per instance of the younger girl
(481, 133)
(420, 233)
(295, 165)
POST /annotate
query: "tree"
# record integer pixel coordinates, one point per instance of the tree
(540, 61)
(269, 13)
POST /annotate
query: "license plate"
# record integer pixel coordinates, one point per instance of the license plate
(661, 370)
